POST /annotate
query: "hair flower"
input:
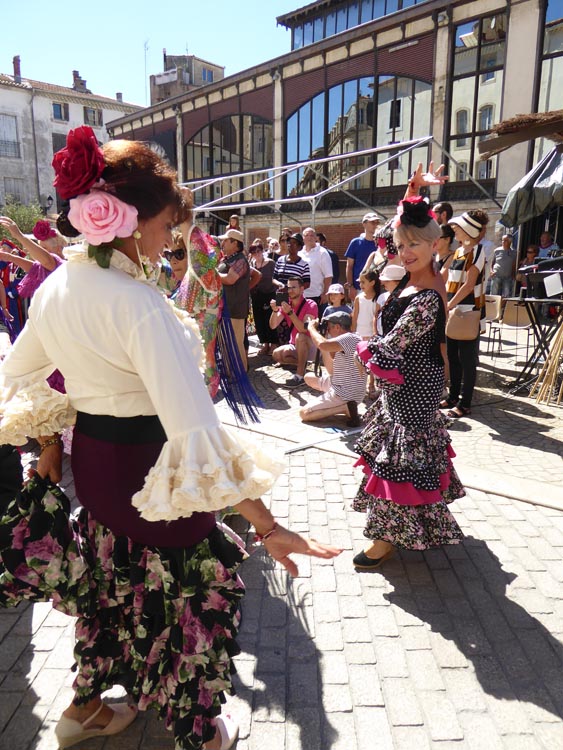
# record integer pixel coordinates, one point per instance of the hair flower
(101, 217)
(79, 165)
(43, 230)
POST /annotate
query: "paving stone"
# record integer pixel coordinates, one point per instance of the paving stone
(336, 698)
(269, 702)
(441, 717)
(408, 738)
(334, 669)
(446, 652)
(339, 732)
(303, 730)
(401, 702)
(479, 732)
(508, 715)
(373, 725)
(359, 653)
(415, 638)
(352, 607)
(423, 670)
(391, 660)
(268, 735)
(365, 685)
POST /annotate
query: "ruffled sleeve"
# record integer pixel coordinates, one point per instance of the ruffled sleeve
(387, 351)
(203, 466)
(29, 407)
(204, 470)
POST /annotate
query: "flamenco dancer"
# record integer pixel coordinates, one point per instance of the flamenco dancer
(151, 578)
(405, 448)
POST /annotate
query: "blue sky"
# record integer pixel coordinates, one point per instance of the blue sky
(105, 40)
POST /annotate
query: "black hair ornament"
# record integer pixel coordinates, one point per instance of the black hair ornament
(415, 212)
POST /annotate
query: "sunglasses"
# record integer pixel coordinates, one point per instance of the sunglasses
(178, 254)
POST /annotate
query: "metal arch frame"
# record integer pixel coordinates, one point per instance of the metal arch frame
(399, 149)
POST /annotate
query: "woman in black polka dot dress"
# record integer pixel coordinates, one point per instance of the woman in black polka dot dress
(405, 448)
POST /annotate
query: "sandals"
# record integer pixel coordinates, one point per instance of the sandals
(362, 562)
(70, 731)
(459, 411)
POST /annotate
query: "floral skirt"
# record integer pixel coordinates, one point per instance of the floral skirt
(159, 621)
(409, 481)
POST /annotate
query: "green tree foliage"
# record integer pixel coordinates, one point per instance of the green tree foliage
(24, 216)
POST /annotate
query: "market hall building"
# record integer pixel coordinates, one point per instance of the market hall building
(363, 74)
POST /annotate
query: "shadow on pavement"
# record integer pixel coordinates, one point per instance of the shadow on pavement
(279, 675)
(509, 420)
(465, 601)
(21, 712)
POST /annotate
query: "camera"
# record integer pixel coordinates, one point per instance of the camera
(282, 296)
(322, 327)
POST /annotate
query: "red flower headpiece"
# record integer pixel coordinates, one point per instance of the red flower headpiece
(43, 230)
(79, 165)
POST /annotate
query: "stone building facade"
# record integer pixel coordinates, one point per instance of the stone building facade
(365, 74)
(34, 119)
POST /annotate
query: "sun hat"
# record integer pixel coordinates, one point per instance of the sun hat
(470, 226)
(232, 234)
(335, 289)
(392, 272)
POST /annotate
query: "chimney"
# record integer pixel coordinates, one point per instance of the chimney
(78, 83)
(17, 69)
(119, 96)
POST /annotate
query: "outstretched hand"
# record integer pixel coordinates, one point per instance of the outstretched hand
(285, 542)
(11, 227)
(430, 177)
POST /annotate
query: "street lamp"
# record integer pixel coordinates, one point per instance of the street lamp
(48, 203)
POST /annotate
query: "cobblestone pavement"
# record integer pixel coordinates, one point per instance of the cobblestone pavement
(460, 647)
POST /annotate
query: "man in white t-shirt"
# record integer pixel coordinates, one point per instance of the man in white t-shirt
(320, 267)
(343, 386)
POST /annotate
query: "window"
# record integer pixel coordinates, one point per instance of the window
(485, 170)
(15, 188)
(9, 144)
(393, 164)
(486, 117)
(206, 75)
(462, 171)
(551, 70)
(462, 126)
(489, 74)
(476, 89)
(350, 117)
(230, 145)
(93, 117)
(60, 112)
(395, 114)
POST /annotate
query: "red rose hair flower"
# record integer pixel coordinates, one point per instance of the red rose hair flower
(79, 165)
(43, 230)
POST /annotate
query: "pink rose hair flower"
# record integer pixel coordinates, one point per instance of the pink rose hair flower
(43, 230)
(101, 217)
(79, 165)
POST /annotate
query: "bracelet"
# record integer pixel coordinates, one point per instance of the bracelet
(262, 537)
(51, 441)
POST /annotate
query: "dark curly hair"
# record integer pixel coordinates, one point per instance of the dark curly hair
(135, 174)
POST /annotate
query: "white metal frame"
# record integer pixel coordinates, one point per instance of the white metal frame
(277, 173)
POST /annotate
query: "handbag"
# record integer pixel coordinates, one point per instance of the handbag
(463, 326)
